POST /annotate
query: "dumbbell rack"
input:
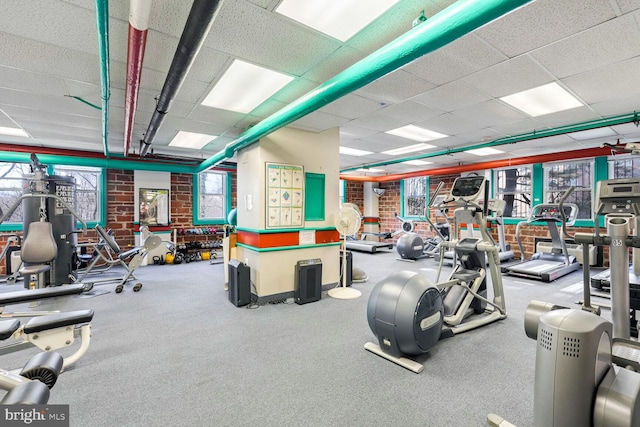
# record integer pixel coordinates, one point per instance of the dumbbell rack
(195, 241)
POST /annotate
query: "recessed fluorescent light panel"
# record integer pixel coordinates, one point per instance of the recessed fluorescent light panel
(409, 149)
(339, 19)
(12, 131)
(487, 151)
(416, 162)
(191, 140)
(354, 151)
(416, 133)
(244, 86)
(546, 99)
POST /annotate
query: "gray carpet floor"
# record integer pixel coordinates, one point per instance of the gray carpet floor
(178, 353)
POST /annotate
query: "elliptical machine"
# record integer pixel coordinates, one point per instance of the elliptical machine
(408, 314)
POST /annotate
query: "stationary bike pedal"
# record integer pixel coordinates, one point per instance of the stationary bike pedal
(626, 353)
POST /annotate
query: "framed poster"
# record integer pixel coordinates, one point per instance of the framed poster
(285, 195)
(154, 206)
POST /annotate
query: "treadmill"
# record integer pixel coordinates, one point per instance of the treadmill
(546, 266)
(370, 246)
(627, 192)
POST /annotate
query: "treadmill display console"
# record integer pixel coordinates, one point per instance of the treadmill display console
(618, 196)
(468, 187)
(552, 213)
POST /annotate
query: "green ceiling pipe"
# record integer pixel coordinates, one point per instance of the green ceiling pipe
(536, 134)
(457, 20)
(102, 20)
(52, 159)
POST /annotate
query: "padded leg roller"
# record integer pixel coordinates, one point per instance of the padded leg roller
(29, 393)
(44, 367)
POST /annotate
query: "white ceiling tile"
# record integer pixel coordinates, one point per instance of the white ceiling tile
(267, 108)
(250, 32)
(338, 61)
(351, 106)
(321, 121)
(459, 58)
(410, 111)
(567, 117)
(452, 96)
(607, 83)
(378, 122)
(605, 44)
(394, 87)
(215, 115)
(490, 113)
(541, 22)
(516, 128)
(478, 136)
(449, 124)
(627, 6)
(13, 78)
(294, 90)
(46, 103)
(614, 107)
(51, 118)
(509, 77)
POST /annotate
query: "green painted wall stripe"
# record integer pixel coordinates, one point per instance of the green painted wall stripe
(284, 230)
(537, 184)
(287, 248)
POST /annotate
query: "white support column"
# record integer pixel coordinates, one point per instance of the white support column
(371, 210)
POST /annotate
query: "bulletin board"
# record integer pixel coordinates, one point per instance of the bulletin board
(285, 195)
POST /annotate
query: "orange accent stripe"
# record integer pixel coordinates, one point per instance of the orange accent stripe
(371, 220)
(276, 240)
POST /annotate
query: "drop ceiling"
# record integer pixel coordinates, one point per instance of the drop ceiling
(591, 48)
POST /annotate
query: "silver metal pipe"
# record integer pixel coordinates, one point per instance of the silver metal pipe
(618, 230)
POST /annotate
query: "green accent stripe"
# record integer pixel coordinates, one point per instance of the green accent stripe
(284, 230)
(537, 184)
(102, 22)
(287, 248)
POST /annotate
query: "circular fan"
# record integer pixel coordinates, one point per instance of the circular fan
(348, 221)
(347, 224)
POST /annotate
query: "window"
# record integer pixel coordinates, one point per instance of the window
(212, 196)
(625, 167)
(415, 196)
(88, 190)
(513, 185)
(11, 188)
(560, 176)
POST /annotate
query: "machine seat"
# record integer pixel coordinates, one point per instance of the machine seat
(58, 320)
(8, 327)
(34, 269)
(131, 252)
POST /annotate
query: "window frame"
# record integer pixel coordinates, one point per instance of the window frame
(498, 194)
(226, 197)
(403, 197)
(101, 196)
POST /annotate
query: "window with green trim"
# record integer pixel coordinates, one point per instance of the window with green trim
(88, 190)
(624, 167)
(212, 196)
(11, 188)
(513, 185)
(560, 176)
(415, 196)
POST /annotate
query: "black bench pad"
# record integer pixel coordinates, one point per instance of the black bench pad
(8, 327)
(17, 297)
(130, 252)
(57, 320)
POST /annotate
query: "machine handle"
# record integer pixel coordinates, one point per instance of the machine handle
(564, 197)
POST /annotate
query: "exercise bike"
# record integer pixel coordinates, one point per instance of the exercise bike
(409, 315)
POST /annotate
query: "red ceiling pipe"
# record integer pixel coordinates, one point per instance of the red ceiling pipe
(542, 158)
(138, 28)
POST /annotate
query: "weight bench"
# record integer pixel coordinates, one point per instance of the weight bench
(33, 295)
(31, 385)
(136, 255)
